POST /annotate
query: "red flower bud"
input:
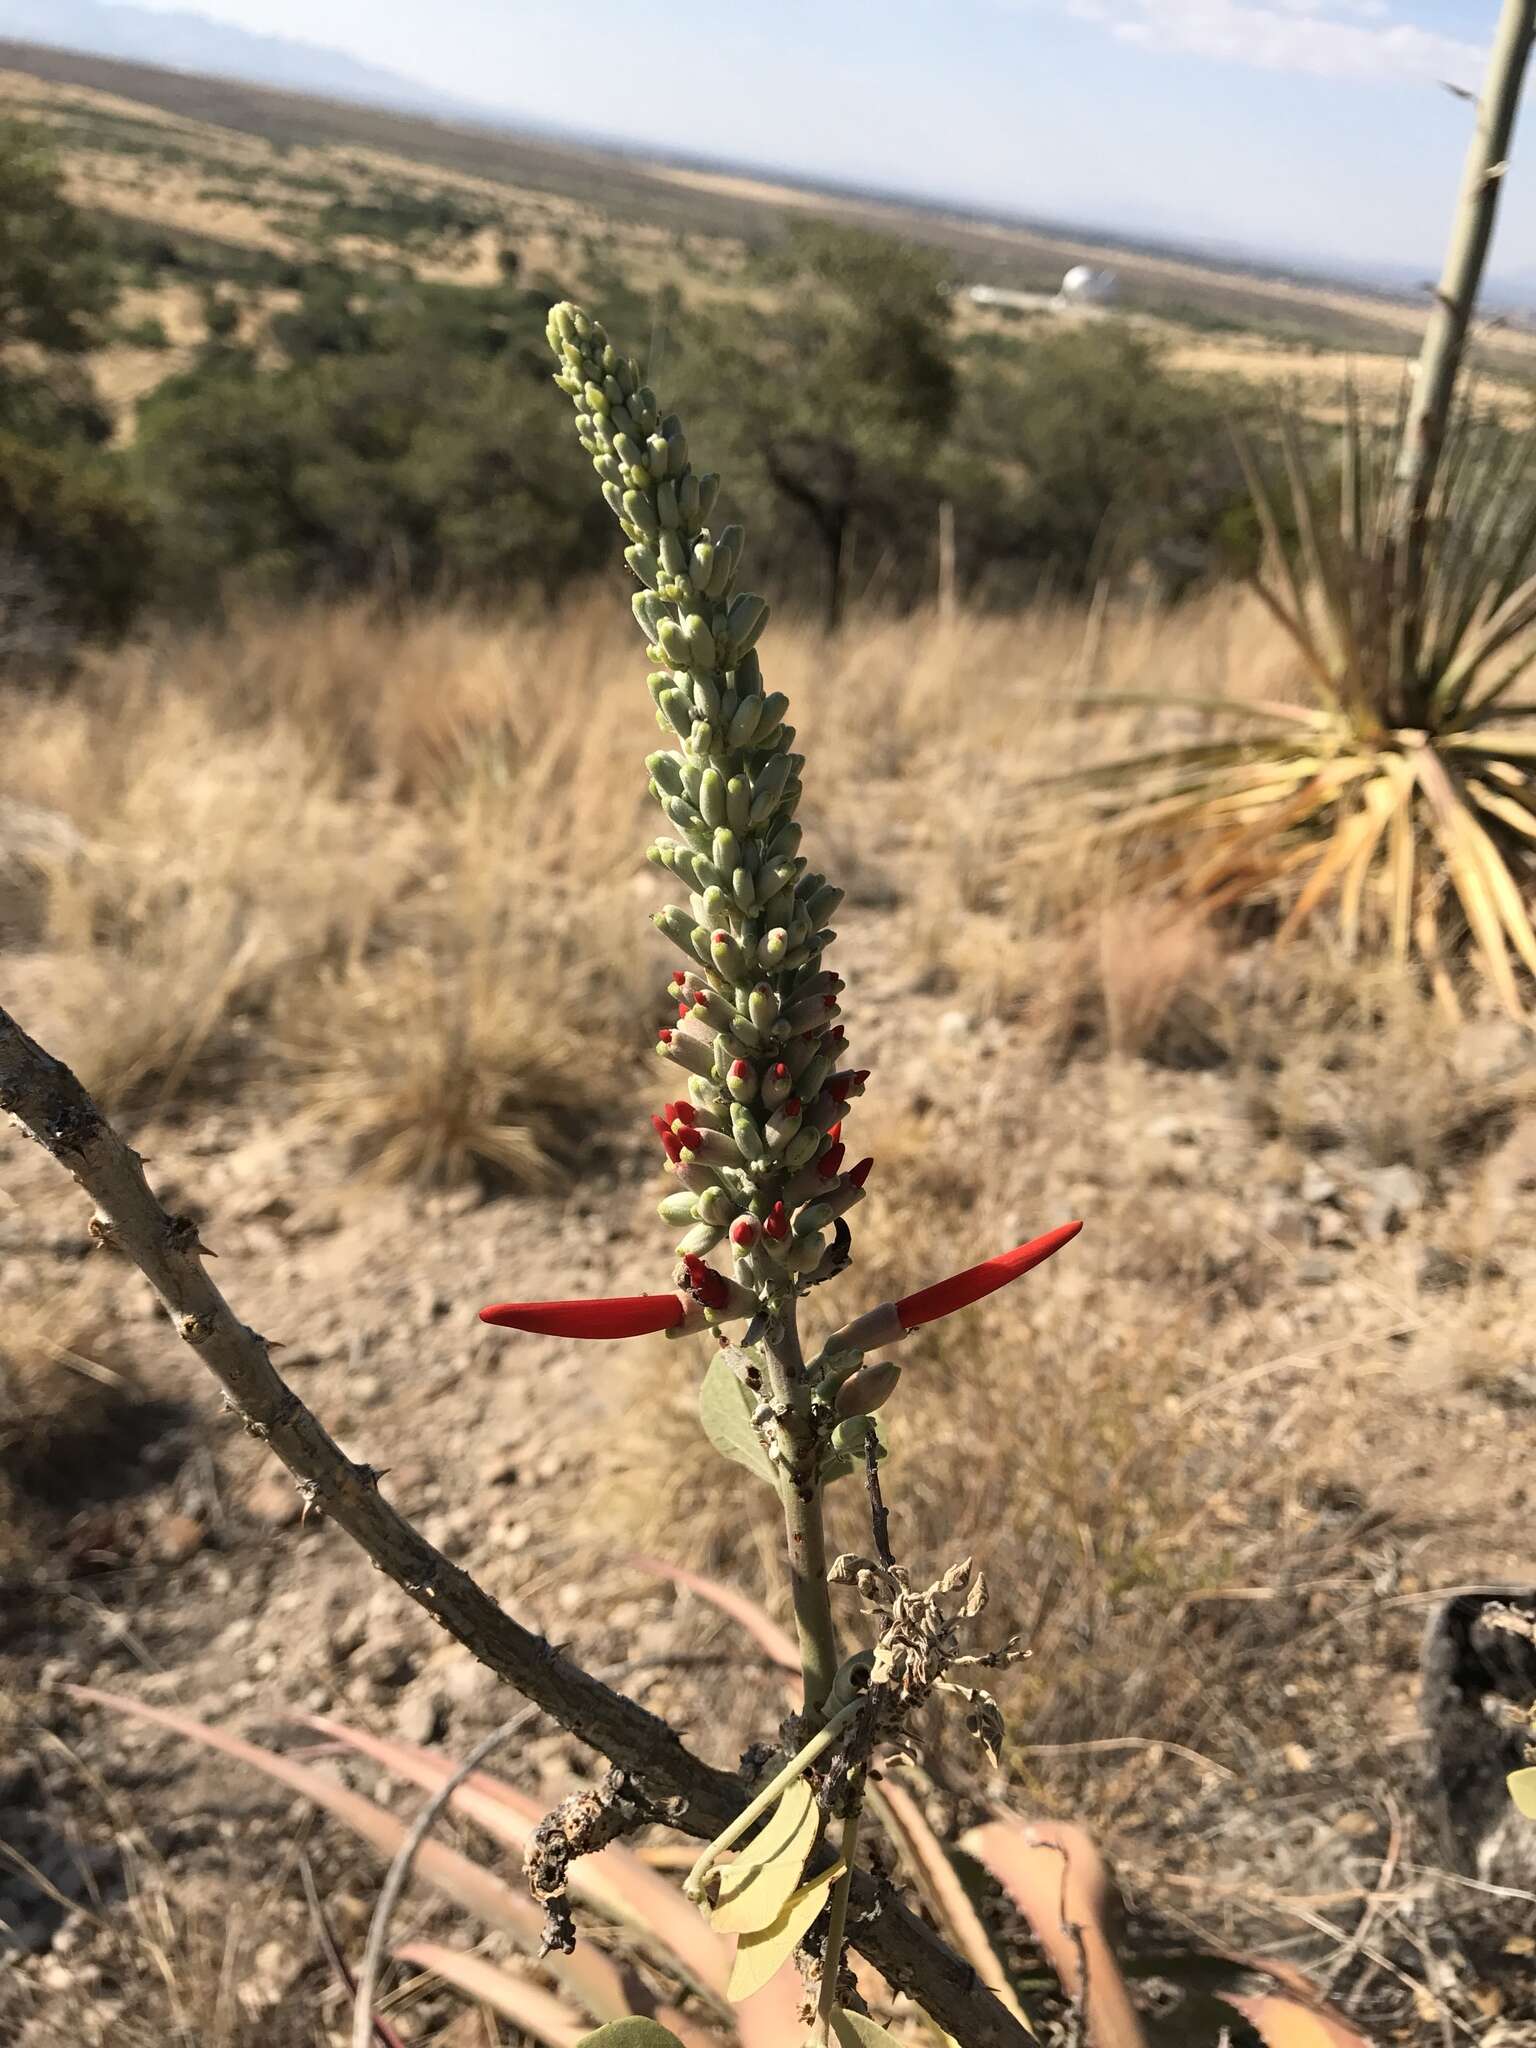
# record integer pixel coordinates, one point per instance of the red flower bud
(961, 1289)
(683, 1010)
(739, 1070)
(836, 1131)
(830, 1160)
(776, 1222)
(661, 1124)
(707, 1286)
(780, 1071)
(744, 1232)
(664, 1035)
(671, 1147)
(629, 1315)
(857, 1175)
(679, 979)
(793, 1106)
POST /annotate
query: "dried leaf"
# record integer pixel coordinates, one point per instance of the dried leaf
(756, 1887)
(1522, 1789)
(957, 1577)
(531, 2009)
(857, 2030)
(725, 1409)
(983, 1718)
(1056, 1877)
(921, 1849)
(976, 1599)
(760, 1955)
(1282, 2022)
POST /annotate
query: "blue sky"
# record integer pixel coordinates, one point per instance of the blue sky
(1311, 127)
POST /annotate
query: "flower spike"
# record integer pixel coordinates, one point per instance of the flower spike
(961, 1289)
(626, 1315)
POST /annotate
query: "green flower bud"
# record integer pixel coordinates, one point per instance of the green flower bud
(673, 642)
(701, 563)
(728, 957)
(777, 1086)
(746, 619)
(712, 804)
(747, 1132)
(706, 695)
(637, 510)
(656, 457)
(763, 1006)
(701, 641)
(726, 850)
(775, 704)
(813, 1216)
(675, 709)
(673, 923)
(749, 675)
(679, 1209)
(716, 1207)
(801, 1149)
(700, 1241)
(739, 735)
(822, 903)
(717, 907)
(772, 947)
(666, 769)
(782, 1125)
(709, 490)
(666, 513)
(867, 1389)
(670, 553)
(686, 502)
(743, 889)
(738, 803)
(643, 562)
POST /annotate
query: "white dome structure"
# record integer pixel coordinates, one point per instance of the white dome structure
(1084, 286)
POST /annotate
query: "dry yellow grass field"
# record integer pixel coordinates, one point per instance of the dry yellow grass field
(344, 915)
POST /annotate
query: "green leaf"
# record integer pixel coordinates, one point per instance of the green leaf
(1522, 1789)
(759, 1955)
(631, 2034)
(755, 1889)
(725, 1409)
(857, 2030)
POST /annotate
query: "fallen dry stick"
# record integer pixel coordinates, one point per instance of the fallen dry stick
(44, 1098)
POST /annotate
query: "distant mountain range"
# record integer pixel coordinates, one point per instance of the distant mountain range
(184, 41)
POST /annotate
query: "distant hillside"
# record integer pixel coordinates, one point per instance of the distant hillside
(184, 41)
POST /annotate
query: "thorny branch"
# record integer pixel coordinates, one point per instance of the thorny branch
(46, 1101)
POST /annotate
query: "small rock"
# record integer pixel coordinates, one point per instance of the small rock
(465, 1680)
(955, 1024)
(387, 1660)
(420, 1717)
(1394, 1194)
(1315, 1272)
(1317, 1187)
(175, 1538)
(1332, 1226)
(274, 1499)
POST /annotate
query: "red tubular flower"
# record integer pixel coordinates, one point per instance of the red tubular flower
(776, 1222)
(860, 1173)
(830, 1160)
(628, 1315)
(961, 1289)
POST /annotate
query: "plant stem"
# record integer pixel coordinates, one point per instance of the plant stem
(800, 1491)
(1455, 296)
(693, 1884)
(837, 1923)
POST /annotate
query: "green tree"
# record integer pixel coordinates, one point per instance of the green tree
(846, 385)
(56, 283)
(74, 548)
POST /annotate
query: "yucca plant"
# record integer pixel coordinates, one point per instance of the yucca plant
(1402, 796)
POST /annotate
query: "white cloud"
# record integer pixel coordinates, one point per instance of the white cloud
(1328, 38)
